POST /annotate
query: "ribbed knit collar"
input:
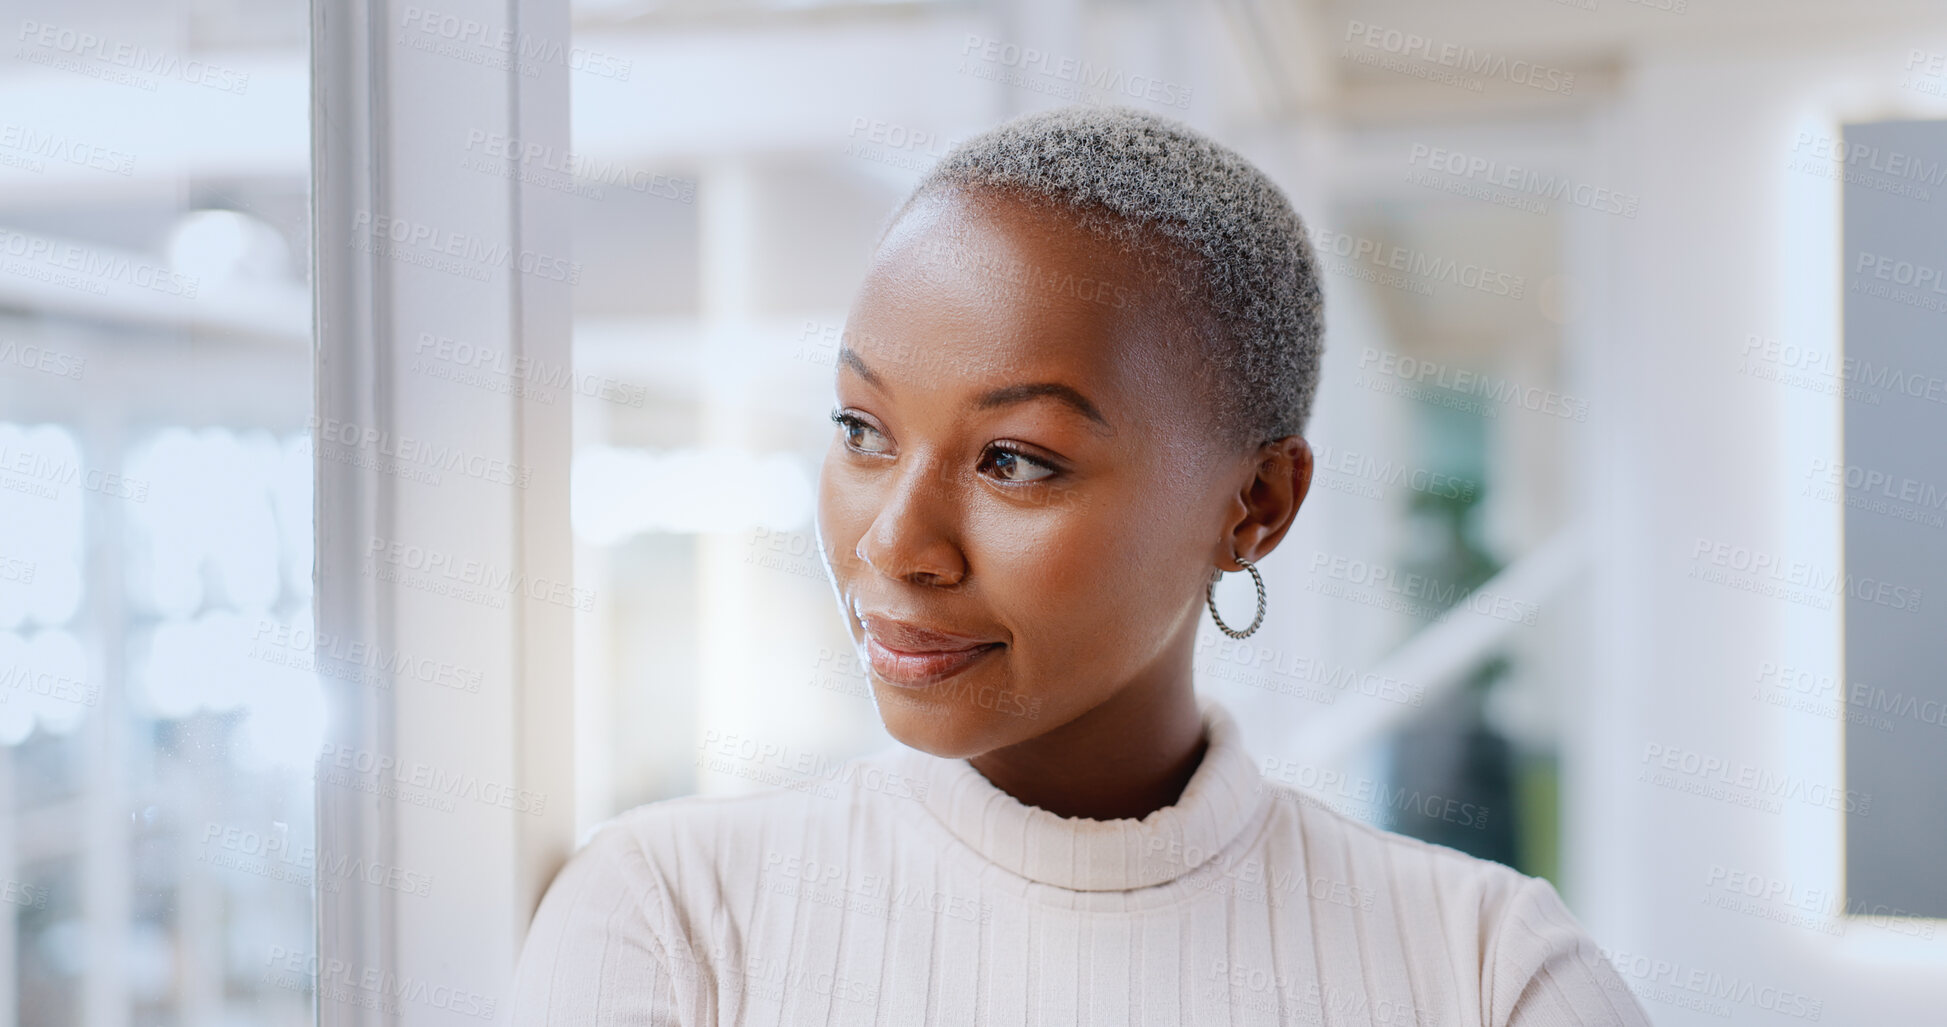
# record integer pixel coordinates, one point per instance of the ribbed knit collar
(1222, 798)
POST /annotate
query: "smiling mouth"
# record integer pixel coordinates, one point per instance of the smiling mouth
(917, 669)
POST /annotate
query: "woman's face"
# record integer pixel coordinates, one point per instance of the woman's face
(1023, 498)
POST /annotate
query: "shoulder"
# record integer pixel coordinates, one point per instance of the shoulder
(1534, 959)
(711, 849)
(600, 946)
(662, 827)
(689, 843)
(1330, 837)
(632, 924)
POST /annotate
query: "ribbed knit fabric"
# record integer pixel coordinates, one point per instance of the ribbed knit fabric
(905, 889)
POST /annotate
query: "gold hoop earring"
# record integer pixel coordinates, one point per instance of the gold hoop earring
(1210, 598)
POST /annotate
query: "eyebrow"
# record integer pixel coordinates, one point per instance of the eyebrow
(1005, 395)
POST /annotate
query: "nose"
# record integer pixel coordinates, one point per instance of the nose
(915, 536)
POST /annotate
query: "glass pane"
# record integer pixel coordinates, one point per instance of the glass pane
(1893, 484)
(158, 714)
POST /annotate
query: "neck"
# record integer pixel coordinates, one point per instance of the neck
(1126, 758)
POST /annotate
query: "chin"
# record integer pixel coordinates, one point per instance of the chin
(935, 727)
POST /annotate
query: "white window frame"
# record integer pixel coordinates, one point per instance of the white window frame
(390, 128)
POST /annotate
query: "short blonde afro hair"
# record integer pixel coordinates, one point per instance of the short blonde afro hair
(1164, 188)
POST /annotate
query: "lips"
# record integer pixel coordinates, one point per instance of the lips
(914, 655)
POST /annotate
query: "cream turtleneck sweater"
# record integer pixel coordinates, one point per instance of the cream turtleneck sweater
(903, 888)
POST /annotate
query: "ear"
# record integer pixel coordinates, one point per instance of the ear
(1268, 502)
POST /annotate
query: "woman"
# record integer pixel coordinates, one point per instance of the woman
(1070, 394)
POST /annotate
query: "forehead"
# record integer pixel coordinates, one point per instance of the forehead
(968, 290)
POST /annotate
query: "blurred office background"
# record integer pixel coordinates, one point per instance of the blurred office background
(1570, 592)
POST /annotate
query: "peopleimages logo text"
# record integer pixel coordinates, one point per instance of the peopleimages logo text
(1522, 180)
(1460, 58)
(82, 45)
(1071, 69)
(93, 268)
(1756, 780)
(414, 452)
(434, 779)
(1417, 263)
(1474, 383)
(1765, 566)
(427, 245)
(478, 575)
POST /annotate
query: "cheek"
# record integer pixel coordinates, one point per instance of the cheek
(844, 512)
(1087, 582)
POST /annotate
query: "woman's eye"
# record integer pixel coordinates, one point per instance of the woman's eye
(1009, 465)
(860, 435)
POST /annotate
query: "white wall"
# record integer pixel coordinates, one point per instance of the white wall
(1731, 242)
